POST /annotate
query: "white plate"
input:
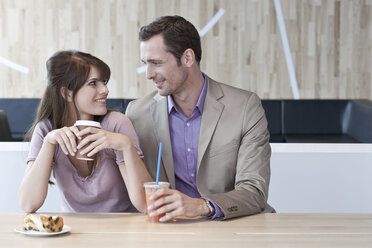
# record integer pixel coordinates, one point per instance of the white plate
(37, 233)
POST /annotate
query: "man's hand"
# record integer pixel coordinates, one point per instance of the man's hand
(175, 204)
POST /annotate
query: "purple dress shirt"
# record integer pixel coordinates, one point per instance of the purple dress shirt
(184, 133)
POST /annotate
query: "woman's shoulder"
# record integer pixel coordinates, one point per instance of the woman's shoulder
(114, 120)
(44, 125)
(114, 116)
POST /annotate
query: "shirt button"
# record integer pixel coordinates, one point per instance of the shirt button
(188, 149)
(192, 174)
(188, 124)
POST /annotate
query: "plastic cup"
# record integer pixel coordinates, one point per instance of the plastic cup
(81, 124)
(150, 188)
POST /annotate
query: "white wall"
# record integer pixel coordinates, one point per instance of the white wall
(305, 178)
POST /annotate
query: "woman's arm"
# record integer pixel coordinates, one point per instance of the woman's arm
(135, 175)
(34, 186)
(133, 171)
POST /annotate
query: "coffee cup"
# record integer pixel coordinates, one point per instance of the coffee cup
(81, 124)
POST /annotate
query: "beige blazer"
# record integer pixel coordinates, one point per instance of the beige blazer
(233, 164)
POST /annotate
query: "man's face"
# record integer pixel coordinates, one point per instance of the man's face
(162, 67)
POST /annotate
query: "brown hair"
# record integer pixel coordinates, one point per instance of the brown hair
(178, 34)
(68, 69)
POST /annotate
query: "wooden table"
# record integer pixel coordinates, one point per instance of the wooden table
(262, 230)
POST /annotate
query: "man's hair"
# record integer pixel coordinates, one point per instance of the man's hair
(178, 34)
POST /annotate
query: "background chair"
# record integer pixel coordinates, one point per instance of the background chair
(5, 134)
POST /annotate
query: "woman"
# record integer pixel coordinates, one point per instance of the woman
(114, 180)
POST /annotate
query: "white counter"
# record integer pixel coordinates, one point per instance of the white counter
(305, 178)
(321, 178)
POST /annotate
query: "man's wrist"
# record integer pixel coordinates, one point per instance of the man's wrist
(211, 208)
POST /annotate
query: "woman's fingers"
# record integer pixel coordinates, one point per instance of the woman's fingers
(88, 130)
(88, 140)
(68, 139)
(96, 140)
(96, 149)
(61, 144)
(75, 130)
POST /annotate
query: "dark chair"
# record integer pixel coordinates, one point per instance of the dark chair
(358, 120)
(21, 114)
(115, 104)
(315, 121)
(273, 112)
(126, 102)
(5, 134)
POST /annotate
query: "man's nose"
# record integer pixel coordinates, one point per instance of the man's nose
(149, 72)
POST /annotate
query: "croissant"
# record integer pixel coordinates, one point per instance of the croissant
(43, 223)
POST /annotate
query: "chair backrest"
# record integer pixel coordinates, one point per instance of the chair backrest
(21, 114)
(5, 134)
(115, 104)
(358, 120)
(313, 116)
(273, 112)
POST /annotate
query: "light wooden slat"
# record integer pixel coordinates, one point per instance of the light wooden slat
(330, 43)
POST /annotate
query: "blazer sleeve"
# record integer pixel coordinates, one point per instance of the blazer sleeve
(250, 192)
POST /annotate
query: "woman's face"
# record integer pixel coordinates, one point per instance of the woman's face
(90, 99)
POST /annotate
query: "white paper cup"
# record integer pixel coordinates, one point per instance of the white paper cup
(81, 124)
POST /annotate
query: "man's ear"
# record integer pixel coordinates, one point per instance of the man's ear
(66, 94)
(188, 57)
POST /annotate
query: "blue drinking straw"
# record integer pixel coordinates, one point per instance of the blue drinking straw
(159, 158)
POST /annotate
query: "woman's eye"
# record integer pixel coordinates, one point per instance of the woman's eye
(105, 81)
(92, 83)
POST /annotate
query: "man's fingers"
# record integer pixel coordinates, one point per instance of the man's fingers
(160, 192)
(171, 215)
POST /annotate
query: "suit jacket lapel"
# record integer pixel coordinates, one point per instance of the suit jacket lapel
(159, 112)
(211, 114)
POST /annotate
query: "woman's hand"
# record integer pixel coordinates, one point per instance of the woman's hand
(98, 139)
(65, 137)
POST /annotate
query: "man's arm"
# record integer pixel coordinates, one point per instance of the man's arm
(251, 179)
(250, 192)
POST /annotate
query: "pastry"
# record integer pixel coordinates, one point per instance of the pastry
(43, 223)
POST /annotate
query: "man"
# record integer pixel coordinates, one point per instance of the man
(216, 152)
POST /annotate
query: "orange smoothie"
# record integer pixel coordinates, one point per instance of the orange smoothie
(149, 202)
(150, 188)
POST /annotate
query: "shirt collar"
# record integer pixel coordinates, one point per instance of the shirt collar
(199, 103)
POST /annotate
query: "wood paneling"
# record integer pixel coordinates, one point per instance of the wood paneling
(330, 42)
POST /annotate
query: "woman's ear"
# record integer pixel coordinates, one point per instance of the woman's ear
(66, 94)
(188, 57)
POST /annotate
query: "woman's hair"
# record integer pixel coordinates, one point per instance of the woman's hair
(69, 69)
(178, 34)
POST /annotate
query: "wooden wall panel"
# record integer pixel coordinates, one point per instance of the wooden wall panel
(330, 42)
